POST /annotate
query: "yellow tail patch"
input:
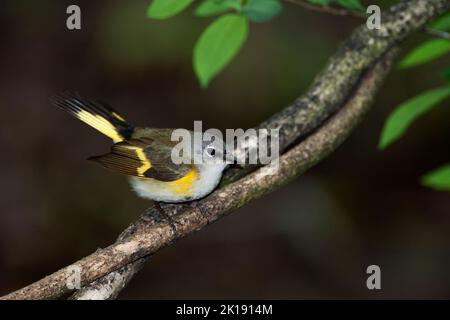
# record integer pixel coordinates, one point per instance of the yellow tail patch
(99, 123)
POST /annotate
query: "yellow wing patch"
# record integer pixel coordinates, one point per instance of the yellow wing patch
(99, 123)
(145, 163)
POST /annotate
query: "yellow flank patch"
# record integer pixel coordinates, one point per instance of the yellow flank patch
(99, 123)
(183, 186)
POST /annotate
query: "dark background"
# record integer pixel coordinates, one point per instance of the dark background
(311, 239)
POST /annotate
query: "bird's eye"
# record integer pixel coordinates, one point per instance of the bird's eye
(211, 151)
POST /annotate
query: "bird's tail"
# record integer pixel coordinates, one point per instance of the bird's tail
(96, 114)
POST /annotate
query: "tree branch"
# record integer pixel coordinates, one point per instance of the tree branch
(349, 79)
(356, 14)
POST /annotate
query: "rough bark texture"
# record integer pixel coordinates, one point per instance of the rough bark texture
(348, 82)
(109, 286)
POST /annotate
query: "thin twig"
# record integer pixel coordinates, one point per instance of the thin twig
(328, 9)
(438, 33)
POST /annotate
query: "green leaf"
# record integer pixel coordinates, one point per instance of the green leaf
(320, 1)
(217, 45)
(442, 23)
(438, 179)
(211, 7)
(351, 4)
(427, 51)
(261, 10)
(402, 117)
(162, 9)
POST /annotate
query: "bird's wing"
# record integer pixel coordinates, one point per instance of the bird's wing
(145, 158)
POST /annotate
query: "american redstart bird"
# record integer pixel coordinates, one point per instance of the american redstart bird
(144, 154)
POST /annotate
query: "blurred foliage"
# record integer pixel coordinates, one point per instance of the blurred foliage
(445, 74)
(403, 115)
(351, 4)
(441, 23)
(217, 45)
(213, 7)
(320, 1)
(438, 179)
(261, 10)
(163, 9)
(223, 38)
(128, 42)
(426, 52)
